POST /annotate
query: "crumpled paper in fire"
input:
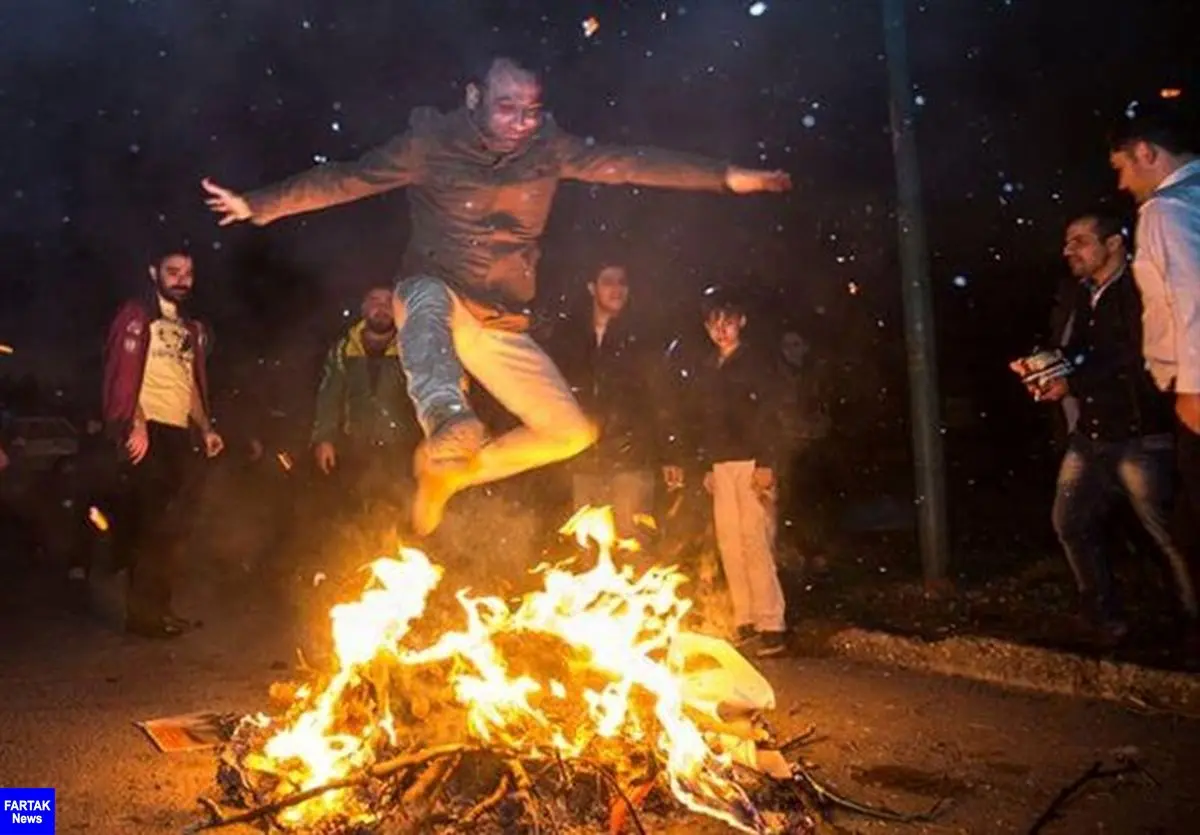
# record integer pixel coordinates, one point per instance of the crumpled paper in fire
(718, 681)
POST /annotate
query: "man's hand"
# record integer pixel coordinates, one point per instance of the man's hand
(326, 457)
(1187, 409)
(138, 442)
(230, 205)
(749, 181)
(763, 479)
(673, 476)
(708, 482)
(213, 444)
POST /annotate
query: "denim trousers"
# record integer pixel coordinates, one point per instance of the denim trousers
(441, 342)
(1093, 478)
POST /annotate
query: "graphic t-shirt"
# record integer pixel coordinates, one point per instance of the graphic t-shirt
(166, 395)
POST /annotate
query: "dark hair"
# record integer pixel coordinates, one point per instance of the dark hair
(722, 302)
(601, 266)
(480, 71)
(1167, 124)
(157, 242)
(1107, 223)
(162, 252)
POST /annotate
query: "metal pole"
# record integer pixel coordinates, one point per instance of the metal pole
(918, 305)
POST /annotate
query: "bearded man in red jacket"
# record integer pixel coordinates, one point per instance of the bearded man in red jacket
(155, 404)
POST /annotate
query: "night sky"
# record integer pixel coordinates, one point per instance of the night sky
(111, 112)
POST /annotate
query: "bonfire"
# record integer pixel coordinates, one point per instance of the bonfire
(585, 705)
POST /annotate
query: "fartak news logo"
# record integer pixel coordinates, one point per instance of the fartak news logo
(26, 811)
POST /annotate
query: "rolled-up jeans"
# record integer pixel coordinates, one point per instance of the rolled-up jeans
(441, 341)
(1094, 476)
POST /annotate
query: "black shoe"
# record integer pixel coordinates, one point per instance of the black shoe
(159, 628)
(772, 645)
(745, 635)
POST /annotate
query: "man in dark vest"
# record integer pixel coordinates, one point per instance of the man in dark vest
(481, 183)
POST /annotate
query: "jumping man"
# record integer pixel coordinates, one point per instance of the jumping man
(481, 182)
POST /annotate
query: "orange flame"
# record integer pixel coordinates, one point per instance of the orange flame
(620, 683)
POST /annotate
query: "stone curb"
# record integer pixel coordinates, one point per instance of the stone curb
(1015, 666)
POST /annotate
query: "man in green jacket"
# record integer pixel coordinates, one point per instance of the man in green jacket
(363, 416)
(481, 181)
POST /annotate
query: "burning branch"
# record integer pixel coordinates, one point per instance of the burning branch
(382, 771)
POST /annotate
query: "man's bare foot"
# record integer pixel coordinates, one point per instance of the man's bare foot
(442, 465)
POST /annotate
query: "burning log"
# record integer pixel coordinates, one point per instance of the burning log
(585, 701)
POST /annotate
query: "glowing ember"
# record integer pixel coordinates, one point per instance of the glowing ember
(98, 519)
(588, 667)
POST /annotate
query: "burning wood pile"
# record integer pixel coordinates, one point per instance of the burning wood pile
(582, 706)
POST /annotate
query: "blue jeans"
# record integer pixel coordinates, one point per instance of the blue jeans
(1094, 476)
(441, 342)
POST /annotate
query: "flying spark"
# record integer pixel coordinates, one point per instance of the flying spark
(98, 519)
(590, 27)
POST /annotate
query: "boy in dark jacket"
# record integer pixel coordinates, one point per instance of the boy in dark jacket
(739, 443)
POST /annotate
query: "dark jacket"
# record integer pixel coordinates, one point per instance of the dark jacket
(617, 385)
(738, 410)
(476, 216)
(125, 361)
(362, 397)
(1117, 396)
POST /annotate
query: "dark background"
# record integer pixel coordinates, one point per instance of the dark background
(111, 112)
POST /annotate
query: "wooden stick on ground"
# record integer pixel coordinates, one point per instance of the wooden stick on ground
(1095, 772)
(488, 803)
(523, 791)
(612, 783)
(218, 820)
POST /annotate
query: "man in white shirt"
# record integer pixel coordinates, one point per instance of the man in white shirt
(1156, 156)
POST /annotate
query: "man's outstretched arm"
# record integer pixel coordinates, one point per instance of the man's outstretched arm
(389, 166)
(658, 168)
